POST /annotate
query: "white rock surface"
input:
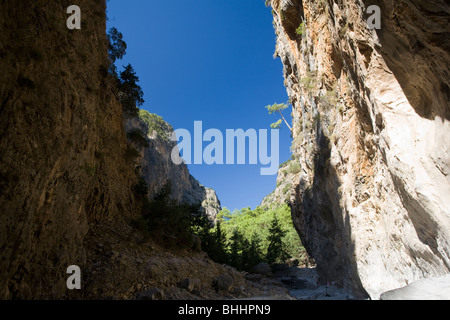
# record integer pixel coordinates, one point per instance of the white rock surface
(437, 288)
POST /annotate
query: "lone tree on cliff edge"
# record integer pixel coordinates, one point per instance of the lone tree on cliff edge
(116, 46)
(130, 93)
(278, 107)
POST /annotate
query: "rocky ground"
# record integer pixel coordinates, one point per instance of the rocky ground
(123, 264)
(303, 284)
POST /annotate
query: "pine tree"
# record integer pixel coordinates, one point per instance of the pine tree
(278, 107)
(236, 249)
(255, 254)
(116, 46)
(218, 251)
(245, 255)
(276, 251)
(116, 50)
(130, 93)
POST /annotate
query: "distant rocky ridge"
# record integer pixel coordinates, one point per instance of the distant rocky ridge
(158, 169)
(287, 178)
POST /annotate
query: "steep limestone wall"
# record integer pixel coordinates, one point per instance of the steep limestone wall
(372, 134)
(157, 168)
(62, 144)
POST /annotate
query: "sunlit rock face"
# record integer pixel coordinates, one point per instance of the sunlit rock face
(158, 168)
(372, 134)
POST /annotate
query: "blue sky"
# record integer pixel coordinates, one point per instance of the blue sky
(209, 61)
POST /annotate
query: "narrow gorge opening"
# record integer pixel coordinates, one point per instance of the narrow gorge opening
(180, 213)
(153, 151)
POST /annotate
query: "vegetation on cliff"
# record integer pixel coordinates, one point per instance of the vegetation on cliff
(129, 93)
(278, 107)
(156, 123)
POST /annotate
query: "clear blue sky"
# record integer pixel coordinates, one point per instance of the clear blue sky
(210, 61)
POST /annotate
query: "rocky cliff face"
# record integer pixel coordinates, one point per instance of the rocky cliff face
(62, 141)
(158, 169)
(372, 134)
(287, 178)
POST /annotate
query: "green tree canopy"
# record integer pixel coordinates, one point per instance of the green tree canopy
(116, 46)
(276, 251)
(116, 50)
(247, 237)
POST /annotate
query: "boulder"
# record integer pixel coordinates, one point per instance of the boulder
(262, 268)
(255, 277)
(426, 289)
(224, 283)
(151, 294)
(190, 284)
(292, 262)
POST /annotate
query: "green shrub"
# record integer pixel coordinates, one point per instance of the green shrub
(287, 188)
(156, 123)
(301, 29)
(294, 168)
(329, 100)
(308, 83)
(284, 164)
(343, 30)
